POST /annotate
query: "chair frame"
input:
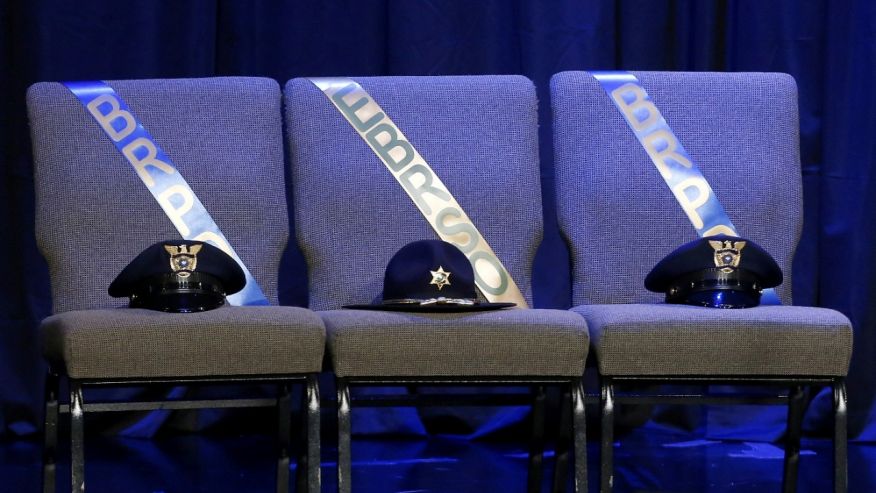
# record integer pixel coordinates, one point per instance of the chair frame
(308, 477)
(794, 399)
(572, 419)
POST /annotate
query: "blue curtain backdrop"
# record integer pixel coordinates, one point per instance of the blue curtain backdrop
(829, 47)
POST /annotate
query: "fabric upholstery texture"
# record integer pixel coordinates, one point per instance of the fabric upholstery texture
(620, 219)
(94, 215)
(616, 212)
(479, 135)
(660, 340)
(506, 342)
(228, 341)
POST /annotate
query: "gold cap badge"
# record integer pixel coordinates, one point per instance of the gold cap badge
(183, 259)
(727, 254)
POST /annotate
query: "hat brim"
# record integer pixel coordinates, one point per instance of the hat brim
(432, 307)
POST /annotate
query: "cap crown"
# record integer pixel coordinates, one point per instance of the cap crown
(429, 269)
(169, 257)
(720, 252)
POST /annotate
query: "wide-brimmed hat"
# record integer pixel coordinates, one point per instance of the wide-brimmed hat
(715, 271)
(179, 276)
(430, 276)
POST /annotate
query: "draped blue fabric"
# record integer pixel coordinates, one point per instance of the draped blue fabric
(829, 47)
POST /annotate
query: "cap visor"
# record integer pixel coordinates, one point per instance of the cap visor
(724, 298)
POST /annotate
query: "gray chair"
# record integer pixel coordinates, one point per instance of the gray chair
(620, 219)
(93, 215)
(479, 136)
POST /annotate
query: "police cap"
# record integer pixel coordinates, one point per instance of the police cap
(179, 276)
(716, 271)
(430, 276)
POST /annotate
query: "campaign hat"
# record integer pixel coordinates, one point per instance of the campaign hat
(430, 276)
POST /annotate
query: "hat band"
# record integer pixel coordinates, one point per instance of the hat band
(432, 301)
(686, 287)
(197, 292)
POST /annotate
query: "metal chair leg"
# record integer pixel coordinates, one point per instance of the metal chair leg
(580, 436)
(344, 432)
(796, 408)
(840, 437)
(536, 443)
(284, 436)
(314, 479)
(607, 451)
(561, 452)
(77, 435)
(50, 432)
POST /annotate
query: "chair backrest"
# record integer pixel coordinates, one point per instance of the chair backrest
(479, 135)
(93, 213)
(615, 211)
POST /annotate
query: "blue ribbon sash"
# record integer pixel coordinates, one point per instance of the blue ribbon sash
(684, 179)
(160, 176)
(675, 165)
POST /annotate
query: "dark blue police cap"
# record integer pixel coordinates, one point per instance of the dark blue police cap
(430, 276)
(179, 276)
(716, 271)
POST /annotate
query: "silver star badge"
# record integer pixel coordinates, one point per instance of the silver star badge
(440, 278)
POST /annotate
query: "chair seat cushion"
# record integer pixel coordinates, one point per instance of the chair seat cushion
(515, 342)
(228, 341)
(682, 340)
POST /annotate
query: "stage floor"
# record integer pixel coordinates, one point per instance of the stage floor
(647, 460)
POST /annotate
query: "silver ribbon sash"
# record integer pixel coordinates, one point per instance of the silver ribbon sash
(422, 185)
